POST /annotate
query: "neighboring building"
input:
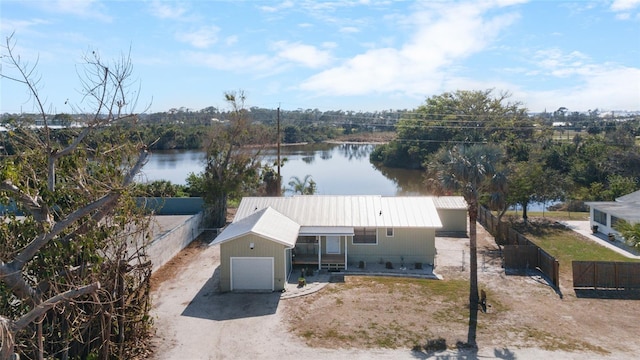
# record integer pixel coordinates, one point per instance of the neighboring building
(605, 214)
(271, 234)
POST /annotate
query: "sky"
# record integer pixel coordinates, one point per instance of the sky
(362, 55)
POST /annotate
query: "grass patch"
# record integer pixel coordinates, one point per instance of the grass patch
(392, 312)
(566, 246)
(557, 215)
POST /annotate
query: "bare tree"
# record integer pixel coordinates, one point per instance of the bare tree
(78, 211)
(233, 167)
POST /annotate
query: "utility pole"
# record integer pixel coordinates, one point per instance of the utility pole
(278, 144)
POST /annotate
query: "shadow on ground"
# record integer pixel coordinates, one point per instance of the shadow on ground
(608, 294)
(467, 354)
(210, 304)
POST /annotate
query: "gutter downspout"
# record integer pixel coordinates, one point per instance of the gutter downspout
(287, 275)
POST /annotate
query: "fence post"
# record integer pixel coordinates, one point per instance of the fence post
(615, 275)
(462, 269)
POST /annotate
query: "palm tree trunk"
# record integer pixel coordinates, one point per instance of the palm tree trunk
(473, 273)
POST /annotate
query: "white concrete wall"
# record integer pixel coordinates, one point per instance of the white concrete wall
(169, 244)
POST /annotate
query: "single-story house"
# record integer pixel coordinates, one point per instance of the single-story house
(605, 214)
(269, 235)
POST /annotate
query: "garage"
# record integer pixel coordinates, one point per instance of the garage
(252, 274)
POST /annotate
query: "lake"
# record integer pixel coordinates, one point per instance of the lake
(337, 169)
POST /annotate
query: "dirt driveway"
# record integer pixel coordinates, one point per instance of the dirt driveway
(194, 321)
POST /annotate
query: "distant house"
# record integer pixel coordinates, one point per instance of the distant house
(269, 235)
(605, 214)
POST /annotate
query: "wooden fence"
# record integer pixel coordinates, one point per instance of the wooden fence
(606, 275)
(520, 253)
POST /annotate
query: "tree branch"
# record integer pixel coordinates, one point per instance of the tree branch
(30, 203)
(103, 205)
(43, 307)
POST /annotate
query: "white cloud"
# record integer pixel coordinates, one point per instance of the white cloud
(8, 26)
(349, 30)
(305, 55)
(444, 34)
(624, 9)
(556, 63)
(624, 5)
(91, 9)
(273, 9)
(607, 87)
(167, 10)
(230, 40)
(201, 38)
(232, 62)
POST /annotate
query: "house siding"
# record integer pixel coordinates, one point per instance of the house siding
(453, 220)
(409, 245)
(262, 248)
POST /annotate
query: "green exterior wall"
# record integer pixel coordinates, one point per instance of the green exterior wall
(408, 245)
(453, 220)
(262, 248)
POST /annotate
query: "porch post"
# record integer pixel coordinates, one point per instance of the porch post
(346, 241)
(319, 252)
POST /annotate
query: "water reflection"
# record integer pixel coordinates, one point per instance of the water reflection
(337, 169)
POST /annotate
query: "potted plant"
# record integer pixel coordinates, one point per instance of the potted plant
(594, 228)
(302, 282)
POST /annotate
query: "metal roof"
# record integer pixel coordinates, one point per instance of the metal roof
(348, 210)
(450, 202)
(633, 197)
(267, 223)
(320, 230)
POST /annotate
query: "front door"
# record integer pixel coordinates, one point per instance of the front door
(333, 245)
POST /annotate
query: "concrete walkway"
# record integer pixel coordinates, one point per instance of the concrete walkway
(321, 278)
(583, 228)
(314, 283)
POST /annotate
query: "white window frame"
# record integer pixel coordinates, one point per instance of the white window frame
(390, 233)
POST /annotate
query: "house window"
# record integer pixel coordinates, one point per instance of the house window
(600, 217)
(307, 240)
(614, 220)
(364, 236)
(389, 232)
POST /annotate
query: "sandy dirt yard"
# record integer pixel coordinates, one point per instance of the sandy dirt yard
(386, 318)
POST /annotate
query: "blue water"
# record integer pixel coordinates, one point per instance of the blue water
(337, 169)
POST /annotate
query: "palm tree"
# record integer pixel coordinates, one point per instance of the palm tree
(466, 169)
(303, 187)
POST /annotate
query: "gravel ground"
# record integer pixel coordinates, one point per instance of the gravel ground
(194, 321)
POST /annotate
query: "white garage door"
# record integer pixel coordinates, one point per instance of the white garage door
(252, 273)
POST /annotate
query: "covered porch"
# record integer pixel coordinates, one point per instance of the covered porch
(322, 247)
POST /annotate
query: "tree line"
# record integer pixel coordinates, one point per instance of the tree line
(74, 276)
(542, 165)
